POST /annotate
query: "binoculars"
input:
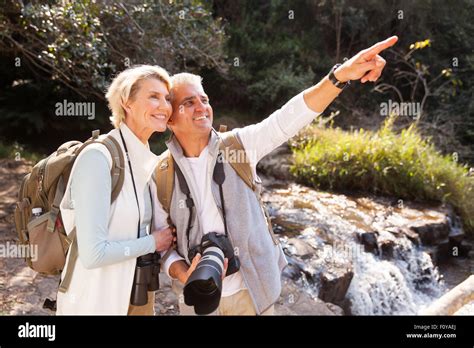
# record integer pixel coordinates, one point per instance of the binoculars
(147, 273)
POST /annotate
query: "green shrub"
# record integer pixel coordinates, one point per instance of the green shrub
(18, 152)
(383, 162)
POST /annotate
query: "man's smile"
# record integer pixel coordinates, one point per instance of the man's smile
(199, 118)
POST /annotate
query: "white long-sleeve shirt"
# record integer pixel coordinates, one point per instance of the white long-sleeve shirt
(258, 140)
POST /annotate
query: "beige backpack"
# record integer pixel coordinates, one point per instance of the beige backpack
(44, 188)
(229, 143)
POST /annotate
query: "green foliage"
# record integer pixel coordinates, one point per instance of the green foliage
(82, 44)
(383, 162)
(280, 51)
(55, 50)
(277, 84)
(18, 152)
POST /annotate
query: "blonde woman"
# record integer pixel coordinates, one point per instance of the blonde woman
(110, 237)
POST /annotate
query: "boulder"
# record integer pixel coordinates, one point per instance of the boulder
(431, 234)
(334, 283)
(294, 301)
(369, 240)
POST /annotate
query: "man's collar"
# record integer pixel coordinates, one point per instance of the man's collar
(176, 149)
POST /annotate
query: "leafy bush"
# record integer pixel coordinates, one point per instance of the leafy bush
(383, 162)
(18, 152)
(82, 44)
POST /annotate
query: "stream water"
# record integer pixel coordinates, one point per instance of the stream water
(321, 232)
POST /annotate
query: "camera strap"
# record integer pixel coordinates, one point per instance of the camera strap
(133, 181)
(183, 185)
(219, 178)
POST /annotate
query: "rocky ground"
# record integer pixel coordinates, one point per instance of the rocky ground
(23, 291)
(427, 235)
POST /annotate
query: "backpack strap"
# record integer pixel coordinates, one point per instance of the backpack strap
(231, 144)
(117, 171)
(117, 174)
(54, 211)
(164, 177)
(73, 251)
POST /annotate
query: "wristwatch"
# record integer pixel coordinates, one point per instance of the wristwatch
(335, 81)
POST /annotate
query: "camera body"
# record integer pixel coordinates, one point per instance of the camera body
(204, 286)
(221, 241)
(147, 272)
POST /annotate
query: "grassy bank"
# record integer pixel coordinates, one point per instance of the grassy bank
(383, 162)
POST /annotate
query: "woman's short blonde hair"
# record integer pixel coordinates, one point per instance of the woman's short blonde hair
(126, 84)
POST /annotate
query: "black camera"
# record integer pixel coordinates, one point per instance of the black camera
(147, 272)
(204, 286)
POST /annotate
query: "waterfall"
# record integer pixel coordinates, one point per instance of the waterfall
(318, 232)
(404, 285)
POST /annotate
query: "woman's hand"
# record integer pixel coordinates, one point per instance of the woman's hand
(366, 65)
(164, 239)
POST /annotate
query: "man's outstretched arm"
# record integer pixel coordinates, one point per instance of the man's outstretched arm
(261, 138)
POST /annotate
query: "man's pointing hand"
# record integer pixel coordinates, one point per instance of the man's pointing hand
(366, 65)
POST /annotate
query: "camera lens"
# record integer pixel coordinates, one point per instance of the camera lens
(204, 286)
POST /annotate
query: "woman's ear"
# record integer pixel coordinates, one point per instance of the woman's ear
(126, 107)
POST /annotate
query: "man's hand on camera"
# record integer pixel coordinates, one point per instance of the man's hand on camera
(366, 65)
(226, 264)
(164, 238)
(184, 278)
(191, 268)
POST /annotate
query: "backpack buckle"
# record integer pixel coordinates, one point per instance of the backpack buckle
(222, 128)
(164, 165)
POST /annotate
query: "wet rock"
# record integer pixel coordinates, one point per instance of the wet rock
(286, 227)
(404, 231)
(465, 248)
(294, 301)
(295, 268)
(300, 204)
(166, 300)
(456, 236)
(369, 240)
(334, 283)
(439, 253)
(300, 248)
(277, 163)
(292, 272)
(386, 249)
(412, 236)
(431, 234)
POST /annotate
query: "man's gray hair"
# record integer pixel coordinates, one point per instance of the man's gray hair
(185, 78)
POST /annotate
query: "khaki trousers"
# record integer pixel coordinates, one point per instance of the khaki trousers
(238, 304)
(148, 309)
